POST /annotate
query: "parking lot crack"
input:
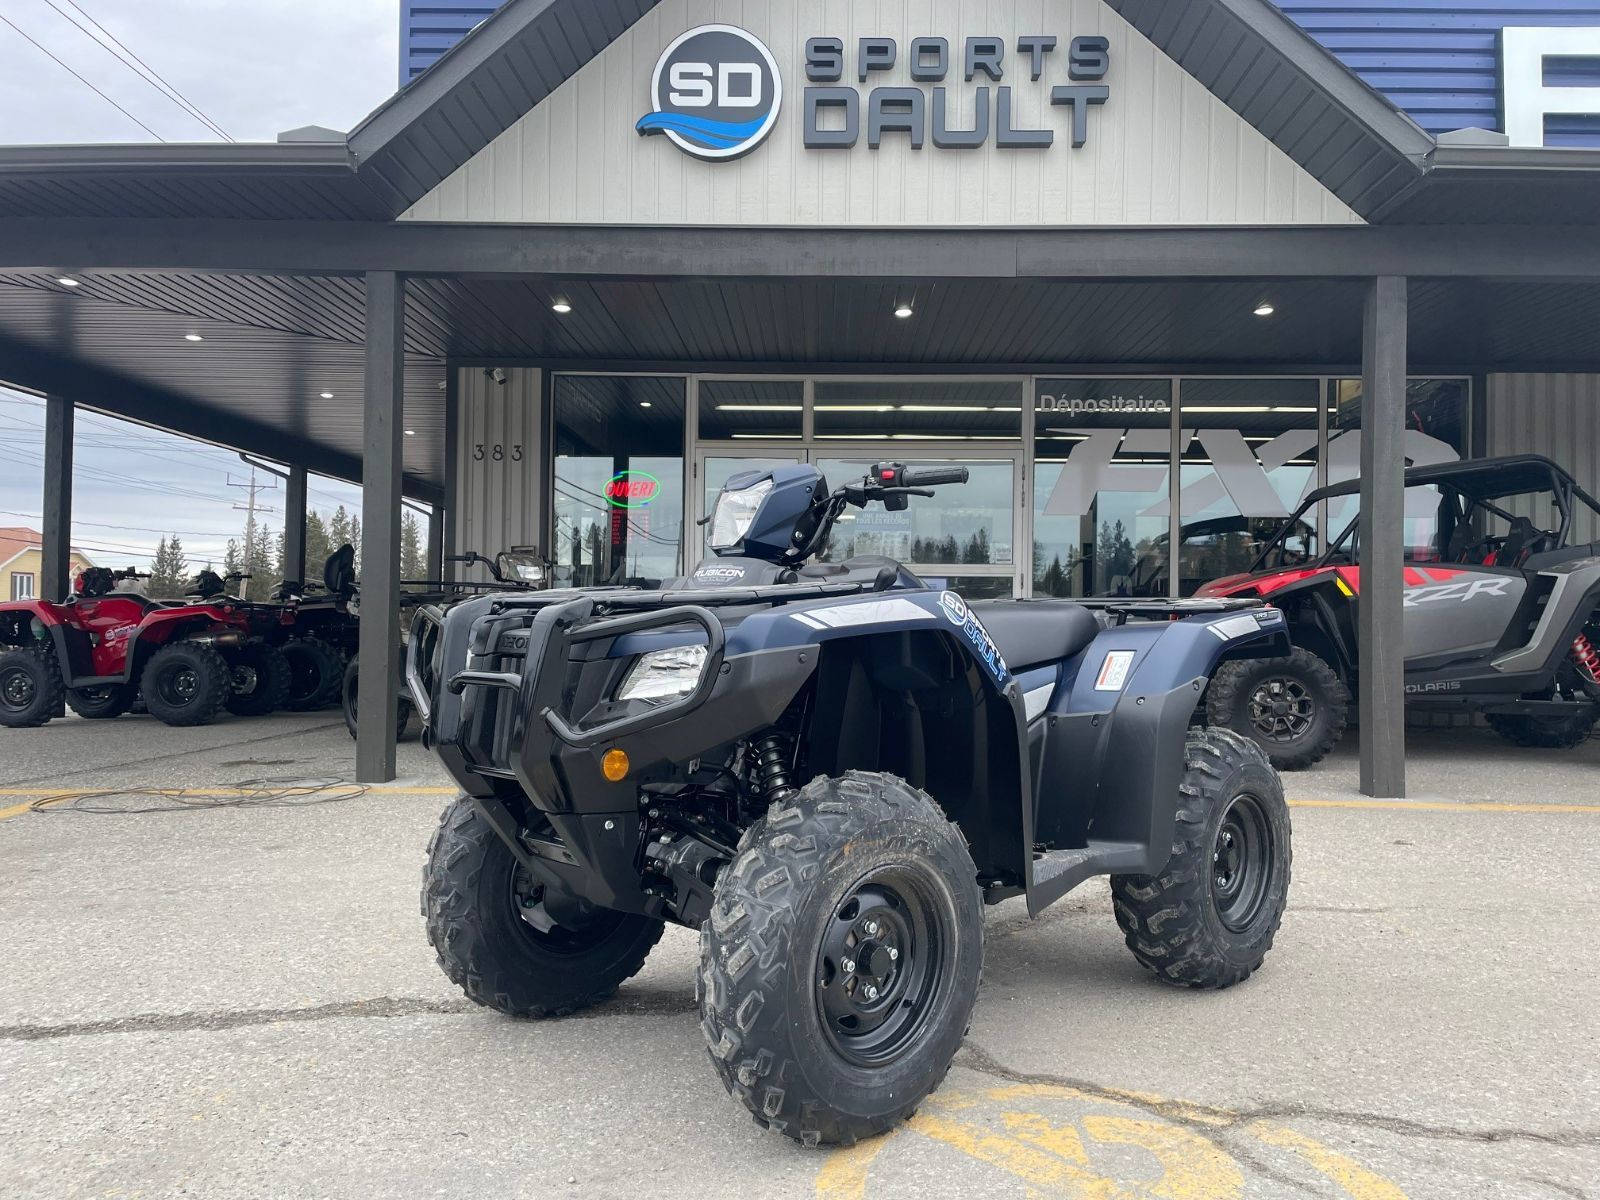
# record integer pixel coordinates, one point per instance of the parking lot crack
(234, 1018)
(1208, 1118)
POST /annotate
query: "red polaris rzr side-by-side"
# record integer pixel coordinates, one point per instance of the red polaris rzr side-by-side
(103, 649)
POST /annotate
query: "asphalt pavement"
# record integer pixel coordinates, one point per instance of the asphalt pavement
(240, 1002)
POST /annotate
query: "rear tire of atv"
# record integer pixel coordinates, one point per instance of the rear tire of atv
(316, 673)
(31, 691)
(102, 703)
(853, 884)
(1545, 733)
(351, 690)
(186, 684)
(260, 673)
(470, 900)
(1242, 695)
(1208, 920)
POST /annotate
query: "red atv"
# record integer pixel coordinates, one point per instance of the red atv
(104, 649)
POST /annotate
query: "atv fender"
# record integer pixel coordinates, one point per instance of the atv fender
(1112, 751)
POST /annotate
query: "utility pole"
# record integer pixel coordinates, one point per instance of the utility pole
(252, 507)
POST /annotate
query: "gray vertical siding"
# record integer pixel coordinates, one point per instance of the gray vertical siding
(499, 502)
(1554, 415)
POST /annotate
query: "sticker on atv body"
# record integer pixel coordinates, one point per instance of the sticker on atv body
(958, 614)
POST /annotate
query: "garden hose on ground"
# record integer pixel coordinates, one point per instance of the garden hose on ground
(250, 793)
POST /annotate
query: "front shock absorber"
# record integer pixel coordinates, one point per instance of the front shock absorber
(1587, 658)
(770, 757)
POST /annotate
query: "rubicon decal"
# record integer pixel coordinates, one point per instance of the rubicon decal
(716, 91)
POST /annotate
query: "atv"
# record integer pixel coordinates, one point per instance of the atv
(1501, 617)
(326, 632)
(827, 770)
(521, 567)
(103, 649)
(263, 673)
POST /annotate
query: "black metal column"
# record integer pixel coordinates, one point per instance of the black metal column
(294, 526)
(1382, 532)
(381, 482)
(55, 572)
(452, 477)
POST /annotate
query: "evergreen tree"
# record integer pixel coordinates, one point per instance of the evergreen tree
(232, 558)
(413, 564)
(355, 539)
(260, 562)
(319, 546)
(169, 572)
(339, 529)
(1114, 555)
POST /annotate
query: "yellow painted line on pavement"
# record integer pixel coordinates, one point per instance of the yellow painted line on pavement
(1447, 806)
(16, 810)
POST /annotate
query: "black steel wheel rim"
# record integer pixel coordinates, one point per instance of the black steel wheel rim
(881, 966)
(1282, 708)
(17, 688)
(1241, 862)
(527, 899)
(179, 685)
(244, 680)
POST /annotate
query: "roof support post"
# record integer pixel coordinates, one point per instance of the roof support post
(452, 477)
(55, 572)
(435, 560)
(1382, 547)
(294, 526)
(383, 445)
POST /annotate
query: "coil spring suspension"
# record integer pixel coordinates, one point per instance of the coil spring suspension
(1587, 657)
(771, 766)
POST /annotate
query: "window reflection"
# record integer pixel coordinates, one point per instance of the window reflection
(961, 410)
(751, 410)
(618, 478)
(966, 524)
(1100, 500)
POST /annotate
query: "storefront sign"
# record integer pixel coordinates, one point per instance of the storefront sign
(1531, 82)
(632, 489)
(717, 91)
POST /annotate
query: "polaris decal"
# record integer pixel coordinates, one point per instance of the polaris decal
(1423, 689)
(1461, 590)
(959, 615)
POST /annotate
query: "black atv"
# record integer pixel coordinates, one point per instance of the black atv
(1502, 612)
(828, 770)
(521, 567)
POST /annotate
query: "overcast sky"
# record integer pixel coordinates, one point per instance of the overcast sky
(255, 67)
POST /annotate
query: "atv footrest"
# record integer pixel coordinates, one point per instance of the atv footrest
(1057, 872)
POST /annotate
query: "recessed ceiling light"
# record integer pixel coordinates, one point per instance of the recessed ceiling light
(1265, 309)
(325, 395)
(193, 337)
(644, 404)
(411, 433)
(903, 311)
(562, 307)
(68, 281)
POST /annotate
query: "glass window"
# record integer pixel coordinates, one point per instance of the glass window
(1102, 451)
(22, 585)
(1249, 456)
(976, 410)
(1436, 424)
(961, 524)
(751, 410)
(618, 478)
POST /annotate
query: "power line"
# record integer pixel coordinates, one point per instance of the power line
(122, 54)
(83, 81)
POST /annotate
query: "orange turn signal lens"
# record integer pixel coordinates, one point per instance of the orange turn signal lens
(614, 766)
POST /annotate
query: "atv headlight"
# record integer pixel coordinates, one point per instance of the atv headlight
(664, 674)
(731, 518)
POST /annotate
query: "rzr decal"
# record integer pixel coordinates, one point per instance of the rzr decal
(1461, 591)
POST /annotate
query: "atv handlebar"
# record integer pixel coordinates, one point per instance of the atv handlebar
(932, 477)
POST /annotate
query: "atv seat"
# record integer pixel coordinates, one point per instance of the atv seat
(1031, 632)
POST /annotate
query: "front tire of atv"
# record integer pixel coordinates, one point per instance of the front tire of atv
(473, 894)
(1208, 919)
(351, 693)
(840, 966)
(260, 679)
(102, 703)
(316, 673)
(1545, 733)
(186, 683)
(1293, 707)
(31, 690)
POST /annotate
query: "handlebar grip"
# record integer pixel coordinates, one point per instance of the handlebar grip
(933, 476)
